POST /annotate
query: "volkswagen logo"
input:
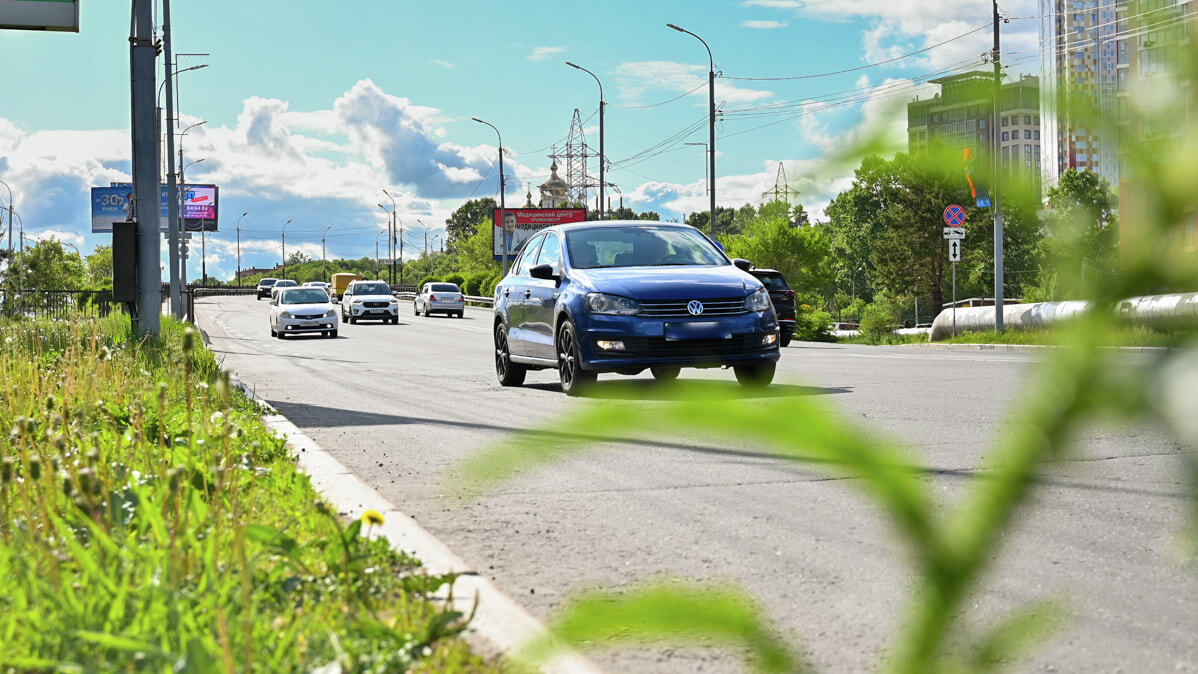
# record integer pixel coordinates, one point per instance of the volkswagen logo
(695, 307)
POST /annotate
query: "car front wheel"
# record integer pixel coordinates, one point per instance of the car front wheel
(573, 377)
(509, 373)
(755, 376)
(665, 373)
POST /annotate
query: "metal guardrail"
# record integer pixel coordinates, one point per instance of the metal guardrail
(470, 299)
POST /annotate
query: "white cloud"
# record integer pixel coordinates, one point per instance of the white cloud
(542, 53)
(444, 64)
(764, 25)
(638, 77)
(773, 4)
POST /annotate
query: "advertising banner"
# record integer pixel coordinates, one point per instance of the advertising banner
(111, 204)
(520, 224)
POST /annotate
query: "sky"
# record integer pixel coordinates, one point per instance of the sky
(311, 109)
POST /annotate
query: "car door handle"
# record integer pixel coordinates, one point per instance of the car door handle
(527, 294)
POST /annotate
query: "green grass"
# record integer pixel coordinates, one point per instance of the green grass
(149, 521)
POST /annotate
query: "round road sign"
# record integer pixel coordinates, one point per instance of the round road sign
(954, 216)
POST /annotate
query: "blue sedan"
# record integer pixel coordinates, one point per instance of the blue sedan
(624, 296)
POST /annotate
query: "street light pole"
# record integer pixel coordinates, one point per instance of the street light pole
(502, 205)
(602, 105)
(710, 121)
(285, 247)
(203, 226)
(182, 197)
(323, 255)
(998, 224)
(239, 247)
(394, 220)
(376, 249)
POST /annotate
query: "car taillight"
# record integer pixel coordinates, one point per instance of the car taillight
(461, 298)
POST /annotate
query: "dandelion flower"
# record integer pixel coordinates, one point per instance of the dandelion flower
(372, 517)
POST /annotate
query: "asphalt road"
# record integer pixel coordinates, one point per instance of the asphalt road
(400, 405)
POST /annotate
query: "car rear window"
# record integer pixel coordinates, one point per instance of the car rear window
(773, 282)
(444, 288)
(371, 289)
(268, 281)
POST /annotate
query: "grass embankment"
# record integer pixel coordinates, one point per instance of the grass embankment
(1124, 336)
(150, 521)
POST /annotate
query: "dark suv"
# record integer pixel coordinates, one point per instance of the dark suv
(265, 286)
(784, 301)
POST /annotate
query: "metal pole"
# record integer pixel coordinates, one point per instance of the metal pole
(602, 105)
(239, 247)
(145, 168)
(502, 204)
(172, 187)
(397, 241)
(710, 120)
(285, 247)
(323, 254)
(998, 234)
(203, 253)
(954, 299)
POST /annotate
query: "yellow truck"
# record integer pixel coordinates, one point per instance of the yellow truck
(341, 281)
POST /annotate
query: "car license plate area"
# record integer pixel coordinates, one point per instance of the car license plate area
(309, 324)
(695, 330)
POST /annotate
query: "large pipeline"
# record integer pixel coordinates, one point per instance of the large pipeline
(1175, 311)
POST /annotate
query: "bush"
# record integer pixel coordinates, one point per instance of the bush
(878, 320)
(474, 283)
(456, 279)
(488, 287)
(427, 279)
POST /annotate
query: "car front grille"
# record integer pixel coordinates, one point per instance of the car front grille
(376, 305)
(691, 348)
(308, 317)
(678, 308)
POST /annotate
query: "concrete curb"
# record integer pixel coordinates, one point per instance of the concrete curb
(1028, 348)
(499, 623)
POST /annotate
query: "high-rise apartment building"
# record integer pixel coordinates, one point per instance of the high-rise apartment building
(1083, 66)
(961, 116)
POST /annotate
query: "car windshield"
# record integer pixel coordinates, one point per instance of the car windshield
(444, 288)
(267, 281)
(772, 282)
(304, 296)
(371, 289)
(639, 246)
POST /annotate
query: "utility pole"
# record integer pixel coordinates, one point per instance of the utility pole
(147, 309)
(239, 248)
(10, 209)
(602, 105)
(172, 187)
(323, 256)
(502, 205)
(994, 149)
(284, 275)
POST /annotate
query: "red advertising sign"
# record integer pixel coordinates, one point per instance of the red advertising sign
(519, 225)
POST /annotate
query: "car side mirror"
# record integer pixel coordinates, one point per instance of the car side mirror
(543, 271)
(742, 264)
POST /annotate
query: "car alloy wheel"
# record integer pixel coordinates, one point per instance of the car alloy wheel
(509, 373)
(755, 376)
(573, 377)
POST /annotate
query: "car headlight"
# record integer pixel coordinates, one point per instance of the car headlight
(330, 313)
(758, 301)
(285, 314)
(602, 303)
(357, 301)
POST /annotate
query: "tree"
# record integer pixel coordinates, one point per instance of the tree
(297, 258)
(47, 266)
(801, 254)
(1083, 226)
(475, 253)
(701, 220)
(99, 267)
(462, 223)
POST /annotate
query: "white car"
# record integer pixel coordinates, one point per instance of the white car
(446, 298)
(299, 310)
(369, 300)
(280, 284)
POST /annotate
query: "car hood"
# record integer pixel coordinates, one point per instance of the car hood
(373, 298)
(669, 283)
(305, 308)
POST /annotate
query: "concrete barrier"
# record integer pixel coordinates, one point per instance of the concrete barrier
(1174, 311)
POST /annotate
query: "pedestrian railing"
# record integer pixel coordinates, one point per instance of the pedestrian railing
(39, 302)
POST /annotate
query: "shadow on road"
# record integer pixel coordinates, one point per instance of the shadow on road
(648, 389)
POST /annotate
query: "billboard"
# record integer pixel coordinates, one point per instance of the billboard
(60, 15)
(523, 223)
(111, 204)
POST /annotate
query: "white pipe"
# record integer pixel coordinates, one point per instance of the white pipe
(1178, 310)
